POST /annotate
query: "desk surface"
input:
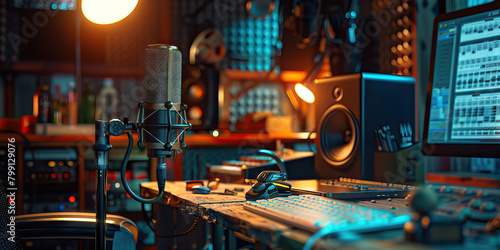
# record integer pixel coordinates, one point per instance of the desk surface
(228, 211)
(214, 206)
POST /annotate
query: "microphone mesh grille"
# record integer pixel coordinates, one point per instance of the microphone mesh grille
(162, 74)
(175, 76)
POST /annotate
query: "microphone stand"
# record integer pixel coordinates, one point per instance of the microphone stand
(101, 163)
(102, 146)
(101, 149)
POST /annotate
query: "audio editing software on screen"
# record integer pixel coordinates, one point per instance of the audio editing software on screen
(465, 90)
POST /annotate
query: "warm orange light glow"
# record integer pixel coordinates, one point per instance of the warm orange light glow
(293, 76)
(107, 11)
(304, 93)
(195, 91)
(195, 112)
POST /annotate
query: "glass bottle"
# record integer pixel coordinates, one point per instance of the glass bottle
(86, 111)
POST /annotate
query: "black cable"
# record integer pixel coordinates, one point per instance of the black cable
(193, 226)
(149, 220)
(146, 216)
(317, 26)
(310, 144)
(124, 179)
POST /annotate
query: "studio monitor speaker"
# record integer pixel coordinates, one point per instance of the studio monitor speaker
(349, 109)
(200, 91)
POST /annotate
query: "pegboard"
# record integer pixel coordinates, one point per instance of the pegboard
(265, 97)
(7, 34)
(251, 43)
(397, 38)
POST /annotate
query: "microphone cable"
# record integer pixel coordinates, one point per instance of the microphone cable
(313, 149)
(150, 220)
(160, 175)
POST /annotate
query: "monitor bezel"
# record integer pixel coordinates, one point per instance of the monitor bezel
(449, 149)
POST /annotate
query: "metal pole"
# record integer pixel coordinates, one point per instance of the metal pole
(101, 164)
(100, 208)
(78, 54)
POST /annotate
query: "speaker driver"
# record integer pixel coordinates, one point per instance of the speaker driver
(339, 136)
(196, 91)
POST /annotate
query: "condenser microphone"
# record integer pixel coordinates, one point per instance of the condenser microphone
(162, 119)
(161, 123)
(162, 74)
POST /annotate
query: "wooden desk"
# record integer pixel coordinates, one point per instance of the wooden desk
(222, 212)
(225, 220)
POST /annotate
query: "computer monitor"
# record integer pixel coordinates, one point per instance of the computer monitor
(462, 116)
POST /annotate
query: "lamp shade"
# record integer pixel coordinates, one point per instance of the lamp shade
(304, 93)
(107, 11)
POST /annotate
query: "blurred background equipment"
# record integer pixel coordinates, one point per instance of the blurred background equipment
(51, 177)
(241, 40)
(207, 47)
(200, 89)
(106, 101)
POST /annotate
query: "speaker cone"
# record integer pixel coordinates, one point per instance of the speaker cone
(339, 136)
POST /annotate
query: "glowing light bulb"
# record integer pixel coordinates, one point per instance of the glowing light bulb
(215, 133)
(304, 93)
(107, 11)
